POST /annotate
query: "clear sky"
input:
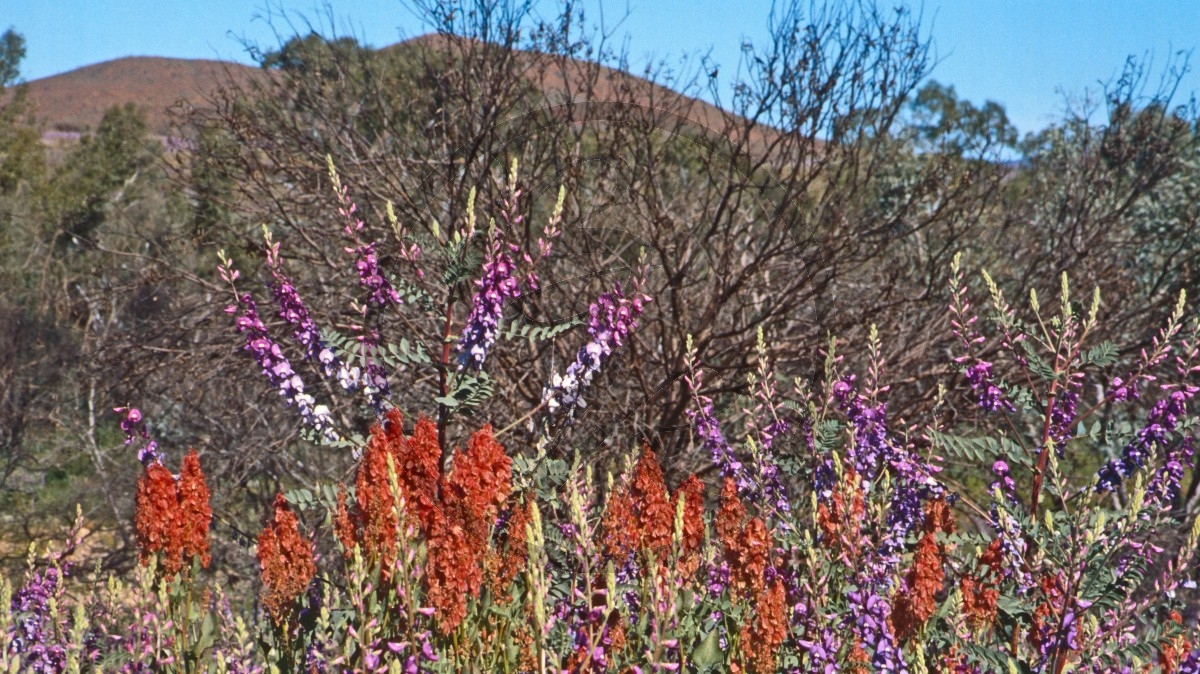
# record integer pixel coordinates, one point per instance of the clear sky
(1024, 54)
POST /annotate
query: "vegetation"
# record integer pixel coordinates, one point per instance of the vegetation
(946, 494)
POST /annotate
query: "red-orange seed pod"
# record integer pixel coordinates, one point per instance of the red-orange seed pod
(285, 559)
(761, 641)
(730, 515)
(916, 602)
(655, 516)
(195, 512)
(155, 518)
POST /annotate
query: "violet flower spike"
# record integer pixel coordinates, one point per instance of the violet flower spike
(366, 261)
(296, 314)
(708, 428)
(495, 286)
(613, 317)
(275, 365)
(33, 635)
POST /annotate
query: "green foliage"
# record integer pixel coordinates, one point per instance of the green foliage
(103, 168)
(12, 50)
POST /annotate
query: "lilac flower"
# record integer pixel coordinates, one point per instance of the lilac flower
(979, 373)
(136, 434)
(1004, 481)
(1164, 486)
(823, 651)
(1123, 390)
(1062, 414)
(33, 634)
(277, 368)
(495, 286)
(1160, 423)
(1012, 547)
(296, 314)
(366, 261)
(989, 396)
(612, 318)
(872, 613)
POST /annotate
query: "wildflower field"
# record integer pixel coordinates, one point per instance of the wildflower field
(846, 391)
(848, 557)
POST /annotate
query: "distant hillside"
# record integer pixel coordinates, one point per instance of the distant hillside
(76, 100)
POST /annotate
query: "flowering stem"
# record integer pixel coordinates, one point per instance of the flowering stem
(444, 383)
(1042, 453)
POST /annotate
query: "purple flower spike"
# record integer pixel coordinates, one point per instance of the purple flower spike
(495, 286)
(33, 634)
(613, 318)
(296, 314)
(277, 368)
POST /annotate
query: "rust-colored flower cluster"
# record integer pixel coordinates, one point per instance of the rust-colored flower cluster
(640, 517)
(477, 486)
(691, 491)
(173, 516)
(1173, 651)
(762, 640)
(372, 523)
(507, 556)
(979, 593)
(747, 544)
(285, 559)
(840, 524)
(916, 601)
(455, 515)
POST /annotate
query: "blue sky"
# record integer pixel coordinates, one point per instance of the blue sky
(1028, 55)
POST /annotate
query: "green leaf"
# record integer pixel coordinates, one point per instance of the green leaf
(1102, 355)
(708, 653)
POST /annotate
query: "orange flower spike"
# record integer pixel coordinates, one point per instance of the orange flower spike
(749, 561)
(452, 571)
(155, 518)
(419, 469)
(1172, 652)
(917, 602)
(730, 515)
(374, 500)
(761, 641)
(619, 538)
(482, 476)
(195, 512)
(516, 550)
(285, 559)
(979, 602)
(938, 517)
(655, 516)
(343, 522)
(692, 493)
